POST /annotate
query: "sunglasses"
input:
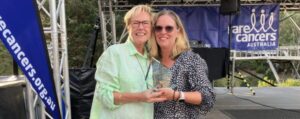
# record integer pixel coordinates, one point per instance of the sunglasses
(167, 28)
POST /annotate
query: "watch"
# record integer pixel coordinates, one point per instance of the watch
(182, 97)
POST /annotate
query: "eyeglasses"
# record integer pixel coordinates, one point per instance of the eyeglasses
(167, 28)
(137, 23)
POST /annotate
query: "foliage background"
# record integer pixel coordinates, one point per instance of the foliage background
(81, 15)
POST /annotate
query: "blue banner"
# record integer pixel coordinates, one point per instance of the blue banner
(201, 24)
(254, 28)
(22, 35)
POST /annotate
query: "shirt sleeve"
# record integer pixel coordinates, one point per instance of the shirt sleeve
(107, 79)
(198, 80)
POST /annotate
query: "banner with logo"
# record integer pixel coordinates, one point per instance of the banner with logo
(22, 35)
(254, 28)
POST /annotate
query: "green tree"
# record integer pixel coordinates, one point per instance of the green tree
(81, 17)
(6, 65)
(288, 33)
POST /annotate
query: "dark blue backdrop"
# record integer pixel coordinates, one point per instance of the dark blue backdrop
(254, 28)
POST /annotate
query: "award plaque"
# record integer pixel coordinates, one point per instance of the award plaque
(161, 75)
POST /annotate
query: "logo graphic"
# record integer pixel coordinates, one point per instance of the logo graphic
(262, 21)
(257, 32)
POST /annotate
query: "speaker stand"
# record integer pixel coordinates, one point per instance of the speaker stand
(231, 64)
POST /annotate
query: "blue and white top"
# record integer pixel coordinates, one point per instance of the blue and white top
(189, 73)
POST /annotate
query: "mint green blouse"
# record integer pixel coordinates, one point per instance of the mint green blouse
(121, 68)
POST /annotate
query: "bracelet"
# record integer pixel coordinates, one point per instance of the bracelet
(178, 96)
(174, 95)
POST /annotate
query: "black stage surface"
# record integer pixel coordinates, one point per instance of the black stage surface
(268, 103)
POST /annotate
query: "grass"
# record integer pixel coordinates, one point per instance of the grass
(238, 83)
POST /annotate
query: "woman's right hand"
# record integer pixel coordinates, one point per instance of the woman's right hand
(151, 96)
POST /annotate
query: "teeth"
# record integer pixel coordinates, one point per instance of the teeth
(163, 38)
(140, 34)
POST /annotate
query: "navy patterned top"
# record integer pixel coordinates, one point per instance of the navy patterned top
(189, 73)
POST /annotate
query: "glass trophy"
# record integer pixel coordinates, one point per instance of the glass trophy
(161, 75)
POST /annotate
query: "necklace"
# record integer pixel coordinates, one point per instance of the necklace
(141, 67)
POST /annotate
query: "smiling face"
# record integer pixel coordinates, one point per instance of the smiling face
(140, 28)
(166, 32)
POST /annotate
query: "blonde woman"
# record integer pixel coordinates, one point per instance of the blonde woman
(190, 94)
(122, 89)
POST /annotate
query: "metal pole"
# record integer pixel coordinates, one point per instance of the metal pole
(29, 100)
(103, 26)
(54, 37)
(65, 60)
(15, 68)
(42, 109)
(273, 70)
(113, 21)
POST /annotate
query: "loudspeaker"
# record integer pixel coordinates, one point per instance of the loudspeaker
(217, 60)
(82, 87)
(228, 7)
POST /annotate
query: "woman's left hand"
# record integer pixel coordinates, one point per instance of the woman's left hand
(167, 93)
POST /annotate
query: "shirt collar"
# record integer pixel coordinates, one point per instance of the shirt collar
(132, 50)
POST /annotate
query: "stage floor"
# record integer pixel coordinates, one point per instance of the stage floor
(268, 103)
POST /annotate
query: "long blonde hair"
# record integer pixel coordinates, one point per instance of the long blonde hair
(181, 43)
